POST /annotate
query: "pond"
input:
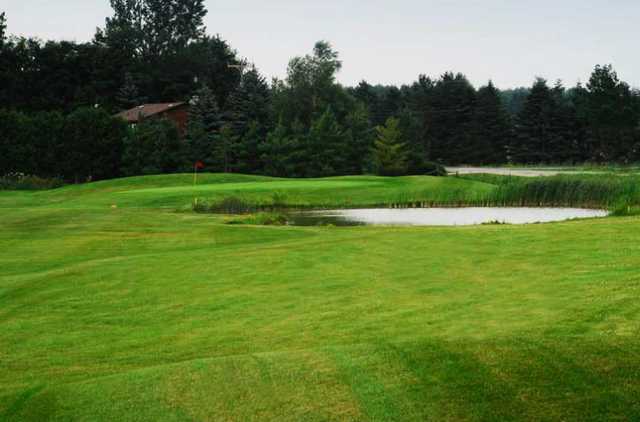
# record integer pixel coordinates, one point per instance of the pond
(439, 216)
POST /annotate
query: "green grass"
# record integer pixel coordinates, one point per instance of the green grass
(177, 191)
(140, 312)
(592, 191)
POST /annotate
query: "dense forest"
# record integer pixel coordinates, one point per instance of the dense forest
(59, 99)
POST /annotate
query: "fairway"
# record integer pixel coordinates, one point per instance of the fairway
(118, 303)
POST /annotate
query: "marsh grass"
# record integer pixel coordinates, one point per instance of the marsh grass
(587, 191)
(584, 191)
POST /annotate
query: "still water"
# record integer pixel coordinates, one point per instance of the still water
(440, 216)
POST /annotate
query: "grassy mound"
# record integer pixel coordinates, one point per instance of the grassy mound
(179, 191)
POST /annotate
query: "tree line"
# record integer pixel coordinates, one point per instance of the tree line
(59, 98)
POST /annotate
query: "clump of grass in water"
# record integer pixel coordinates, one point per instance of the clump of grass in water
(495, 223)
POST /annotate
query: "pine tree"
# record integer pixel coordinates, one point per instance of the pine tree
(248, 150)
(282, 154)
(568, 140)
(389, 152)
(491, 129)
(534, 128)
(326, 146)
(128, 95)
(224, 152)
(248, 102)
(413, 134)
(358, 139)
(248, 113)
(154, 147)
(205, 123)
(452, 119)
(3, 28)
(612, 116)
(419, 100)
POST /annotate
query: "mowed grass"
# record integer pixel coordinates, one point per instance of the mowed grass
(143, 313)
(177, 192)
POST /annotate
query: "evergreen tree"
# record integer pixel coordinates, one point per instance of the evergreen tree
(248, 113)
(612, 115)
(389, 152)
(52, 147)
(128, 95)
(326, 146)
(205, 123)
(452, 119)
(153, 147)
(206, 60)
(224, 153)
(249, 102)
(3, 29)
(282, 153)
(365, 93)
(535, 126)
(247, 152)
(568, 137)
(491, 129)
(412, 129)
(514, 99)
(358, 139)
(93, 145)
(389, 105)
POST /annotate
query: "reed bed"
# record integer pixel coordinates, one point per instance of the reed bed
(584, 191)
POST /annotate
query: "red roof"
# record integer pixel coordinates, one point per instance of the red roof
(147, 110)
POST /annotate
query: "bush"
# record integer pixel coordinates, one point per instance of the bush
(84, 145)
(228, 205)
(426, 168)
(260, 219)
(20, 181)
(91, 146)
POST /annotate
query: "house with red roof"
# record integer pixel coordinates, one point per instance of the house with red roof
(177, 112)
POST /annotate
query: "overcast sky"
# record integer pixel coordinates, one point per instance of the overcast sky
(392, 42)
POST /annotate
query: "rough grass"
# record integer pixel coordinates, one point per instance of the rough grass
(591, 191)
(141, 313)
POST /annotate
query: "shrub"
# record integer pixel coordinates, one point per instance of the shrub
(227, 205)
(261, 219)
(426, 168)
(20, 181)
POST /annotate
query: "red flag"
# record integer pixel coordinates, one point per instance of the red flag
(199, 165)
